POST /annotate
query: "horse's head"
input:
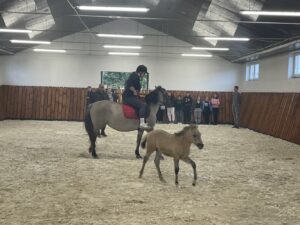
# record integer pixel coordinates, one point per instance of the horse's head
(192, 134)
(157, 96)
(197, 140)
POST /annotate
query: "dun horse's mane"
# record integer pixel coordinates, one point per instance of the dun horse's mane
(152, 97)
(185, 129)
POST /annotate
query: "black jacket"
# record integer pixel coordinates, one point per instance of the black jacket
(170, 102)
(100, 96)
(178, 104)
(187, 102)
(133, 81)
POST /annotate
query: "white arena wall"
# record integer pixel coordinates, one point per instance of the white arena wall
(273, 77)
(35, 69)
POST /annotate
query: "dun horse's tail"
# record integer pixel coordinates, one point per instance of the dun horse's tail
(89, 124)
(143, 144)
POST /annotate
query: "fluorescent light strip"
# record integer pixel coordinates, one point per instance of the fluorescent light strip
(122, 46)
(30, 42)
(4, 30)
(124, 53)
(210, 49)
(112, 9)
(226, 39)
(196, 55)
(49, 50)
(270, 13)
(120, 36)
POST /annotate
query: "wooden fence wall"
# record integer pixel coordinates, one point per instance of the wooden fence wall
(52, 103)
(276, 114)
(44, 103)
(2, 112)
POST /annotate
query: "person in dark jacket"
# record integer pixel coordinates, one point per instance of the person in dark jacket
(160, 114)
(100, 94)
(131, 93)
(170, 107)
(206, 110)
(187, 108)
(236, 102)
(89, 96)
(178, 109)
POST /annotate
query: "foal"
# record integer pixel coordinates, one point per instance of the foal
(175, 145)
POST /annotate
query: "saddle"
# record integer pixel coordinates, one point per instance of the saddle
(129, 112)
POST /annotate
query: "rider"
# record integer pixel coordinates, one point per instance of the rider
(131, 92)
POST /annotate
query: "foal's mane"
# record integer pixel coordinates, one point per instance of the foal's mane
(185, 129)
(152, 97)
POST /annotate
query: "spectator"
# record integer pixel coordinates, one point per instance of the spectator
(89, 96)
(215, 103)
(160, 114)
(206, 110)
(178, 109)
(236, 102)
(100, 94)
(198, 110)
(187, 108)
(170, 107)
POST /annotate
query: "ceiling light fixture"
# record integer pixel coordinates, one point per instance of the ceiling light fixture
(122, 46)
(196, 55)
(4, 30)
(210, 49)
(49, 50)
(120, 36)
(124, 53)
(30, 42)
(113, 9)
(226, 39)
(270, 13)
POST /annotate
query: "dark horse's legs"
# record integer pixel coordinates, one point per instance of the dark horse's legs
(92, 135)
(138, 142)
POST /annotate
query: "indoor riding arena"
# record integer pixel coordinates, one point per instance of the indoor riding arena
(231, 67)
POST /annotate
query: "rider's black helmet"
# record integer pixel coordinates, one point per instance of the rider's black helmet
(141, 69)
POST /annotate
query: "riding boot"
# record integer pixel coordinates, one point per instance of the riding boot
(144, 125)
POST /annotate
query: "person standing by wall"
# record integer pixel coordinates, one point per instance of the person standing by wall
(197, 110)
(206, 110)
(187, 108)
(236, 102)
(160, 114)
(100, 95)
(215, 104)
(178, 109)
(89, 96)
(170, 107)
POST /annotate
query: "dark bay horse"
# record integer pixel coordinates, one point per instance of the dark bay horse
(102, 113)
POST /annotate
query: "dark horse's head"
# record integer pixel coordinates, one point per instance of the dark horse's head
(157, 96)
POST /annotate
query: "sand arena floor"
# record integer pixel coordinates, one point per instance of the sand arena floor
(48, 177)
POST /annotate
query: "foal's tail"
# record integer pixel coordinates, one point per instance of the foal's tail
(143, 144)
(89, 124)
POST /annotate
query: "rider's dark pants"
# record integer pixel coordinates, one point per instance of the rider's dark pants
(139, 106)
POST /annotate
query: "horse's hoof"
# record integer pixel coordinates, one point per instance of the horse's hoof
(138, 156)
(104, 134)
(95, 156)
(162, 158)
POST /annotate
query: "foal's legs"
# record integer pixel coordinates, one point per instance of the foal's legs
(146, 158)
(157, 161)
(176, 166)
(193, 164)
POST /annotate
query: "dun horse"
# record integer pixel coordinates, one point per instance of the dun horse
(175, 145)
(102, 113)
